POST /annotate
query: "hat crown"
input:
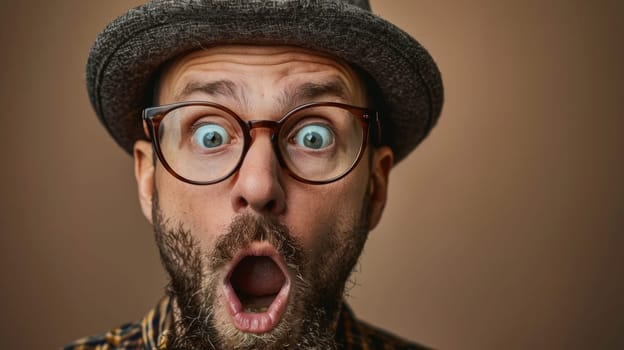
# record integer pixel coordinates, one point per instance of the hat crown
(364, 4)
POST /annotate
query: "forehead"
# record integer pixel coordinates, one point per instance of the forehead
(257, 70)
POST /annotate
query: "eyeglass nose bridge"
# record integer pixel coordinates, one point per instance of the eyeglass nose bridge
(264, 124)
(272, 125)
(275, 129)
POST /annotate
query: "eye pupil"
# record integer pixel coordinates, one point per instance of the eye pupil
(313, 140)
(314, 137)
(211, 136)
(212, 139)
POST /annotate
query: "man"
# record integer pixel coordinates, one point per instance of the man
(269, 129)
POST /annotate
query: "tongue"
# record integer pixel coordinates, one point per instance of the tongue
(257, 276)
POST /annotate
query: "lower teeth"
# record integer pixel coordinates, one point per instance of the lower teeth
(256, 309)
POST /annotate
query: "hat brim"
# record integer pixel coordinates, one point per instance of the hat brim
(130, 50)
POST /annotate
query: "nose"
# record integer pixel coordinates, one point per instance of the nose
(258, 182)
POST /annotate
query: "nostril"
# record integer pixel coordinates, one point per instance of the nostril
(270, 205)
(241, 203)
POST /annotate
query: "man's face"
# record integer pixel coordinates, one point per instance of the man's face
(259, 260)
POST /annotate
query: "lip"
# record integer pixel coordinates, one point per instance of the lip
(260, 322)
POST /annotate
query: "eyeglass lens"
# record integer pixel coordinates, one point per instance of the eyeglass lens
(205, 143)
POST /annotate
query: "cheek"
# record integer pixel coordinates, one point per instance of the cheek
(199, 209)
(324, 210)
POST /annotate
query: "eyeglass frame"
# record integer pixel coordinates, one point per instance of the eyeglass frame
(153, 116)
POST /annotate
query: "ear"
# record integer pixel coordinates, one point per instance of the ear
(382, 162)
(144, 174)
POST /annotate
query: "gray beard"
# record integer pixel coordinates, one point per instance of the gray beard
(309, 321)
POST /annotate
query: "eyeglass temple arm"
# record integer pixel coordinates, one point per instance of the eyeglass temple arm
(375, 122)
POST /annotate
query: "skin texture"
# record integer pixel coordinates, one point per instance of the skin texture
(326, 222)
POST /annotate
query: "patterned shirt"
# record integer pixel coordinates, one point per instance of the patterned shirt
(151, 334)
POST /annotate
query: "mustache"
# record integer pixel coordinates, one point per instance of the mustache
(245, 229)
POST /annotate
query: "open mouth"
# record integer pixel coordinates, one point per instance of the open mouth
(256, 281)
(256, 289)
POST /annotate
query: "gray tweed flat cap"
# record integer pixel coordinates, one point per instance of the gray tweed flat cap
(127, 54)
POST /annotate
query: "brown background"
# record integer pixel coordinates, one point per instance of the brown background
(503, 230)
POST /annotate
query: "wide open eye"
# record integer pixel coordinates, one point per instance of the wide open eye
(314, 136)
(210, 136)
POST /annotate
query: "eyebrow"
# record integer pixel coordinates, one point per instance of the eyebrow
(226, 88)
(309, 92)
